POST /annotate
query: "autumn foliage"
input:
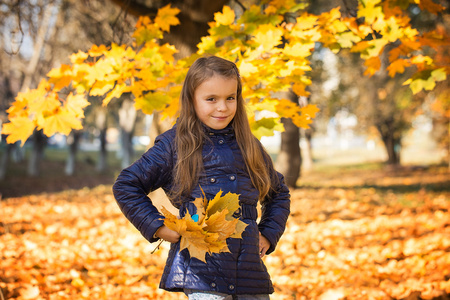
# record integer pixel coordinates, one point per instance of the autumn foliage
(271, 44)
(358, 235)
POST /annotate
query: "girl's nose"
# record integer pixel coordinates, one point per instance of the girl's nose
(222, 106)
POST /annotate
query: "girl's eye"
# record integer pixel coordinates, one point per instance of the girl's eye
(231, 98)
(210, 99)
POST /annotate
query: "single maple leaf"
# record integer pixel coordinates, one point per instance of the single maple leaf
(226, 17)
(18, 129)
(166, 17)
(229, 201)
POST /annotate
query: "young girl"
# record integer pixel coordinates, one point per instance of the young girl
(212, 148)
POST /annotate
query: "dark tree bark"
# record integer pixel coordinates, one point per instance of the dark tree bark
(101, 123)
(5, 160)
(391, 141)
(73, 142)
(37, 153)
(289, 158)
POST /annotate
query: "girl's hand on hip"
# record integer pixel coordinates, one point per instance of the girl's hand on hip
(264, 245)
(167, 234)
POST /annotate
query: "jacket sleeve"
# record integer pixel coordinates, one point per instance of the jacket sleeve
(274, 214)
(152, 171)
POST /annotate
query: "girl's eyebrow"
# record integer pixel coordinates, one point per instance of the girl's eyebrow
(215, 95)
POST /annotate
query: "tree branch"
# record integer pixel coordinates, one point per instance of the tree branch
(241, 5)
(136, 9)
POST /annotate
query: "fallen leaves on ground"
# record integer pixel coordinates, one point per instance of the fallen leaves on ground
(349, 241)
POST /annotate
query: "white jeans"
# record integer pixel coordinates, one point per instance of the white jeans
(204, 295)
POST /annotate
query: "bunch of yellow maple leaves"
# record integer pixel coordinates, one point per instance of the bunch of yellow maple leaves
(207, 230)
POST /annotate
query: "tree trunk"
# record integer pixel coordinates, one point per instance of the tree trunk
(391, 143)
(37, 152)
(127, 122)
(73, 141)
(38, 45)
(289, 159)
(5, 160)
(102, 162)
(307, 160)
(101, 124)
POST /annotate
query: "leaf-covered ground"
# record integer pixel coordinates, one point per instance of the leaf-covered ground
(351, 235)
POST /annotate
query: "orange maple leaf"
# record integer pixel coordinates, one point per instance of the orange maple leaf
(398, 66)
(310, 110)
(373, 64)
(166, 17)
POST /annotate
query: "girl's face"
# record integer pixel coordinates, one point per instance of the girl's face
(215, 101)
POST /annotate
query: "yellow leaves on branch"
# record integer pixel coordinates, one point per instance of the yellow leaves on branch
(301, 116)
(206, 231)
(57, 104)
(426, 80)
(385, 23)
(272, 52)
(42, 108)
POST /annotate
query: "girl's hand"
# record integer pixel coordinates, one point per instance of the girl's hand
(167, 234)
(264, 245)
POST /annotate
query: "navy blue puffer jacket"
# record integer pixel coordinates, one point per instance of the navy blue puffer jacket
(239, 272)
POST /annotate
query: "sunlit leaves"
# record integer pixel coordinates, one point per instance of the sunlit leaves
(166, 17)
(387, 23)
(42, 108)
(61, 77)
(150, 102)
(18, 129)
(146, 30)
(226, 17)
(101, 71)
(60, 122)
(347, 39)
(398, 66)
(373, 64)
(369, 10)
(206, 231)
(426, 80)
(298, 50)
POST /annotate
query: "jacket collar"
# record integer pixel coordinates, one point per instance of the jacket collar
(229, 130)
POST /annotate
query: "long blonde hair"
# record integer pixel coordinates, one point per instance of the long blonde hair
(190, 134)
